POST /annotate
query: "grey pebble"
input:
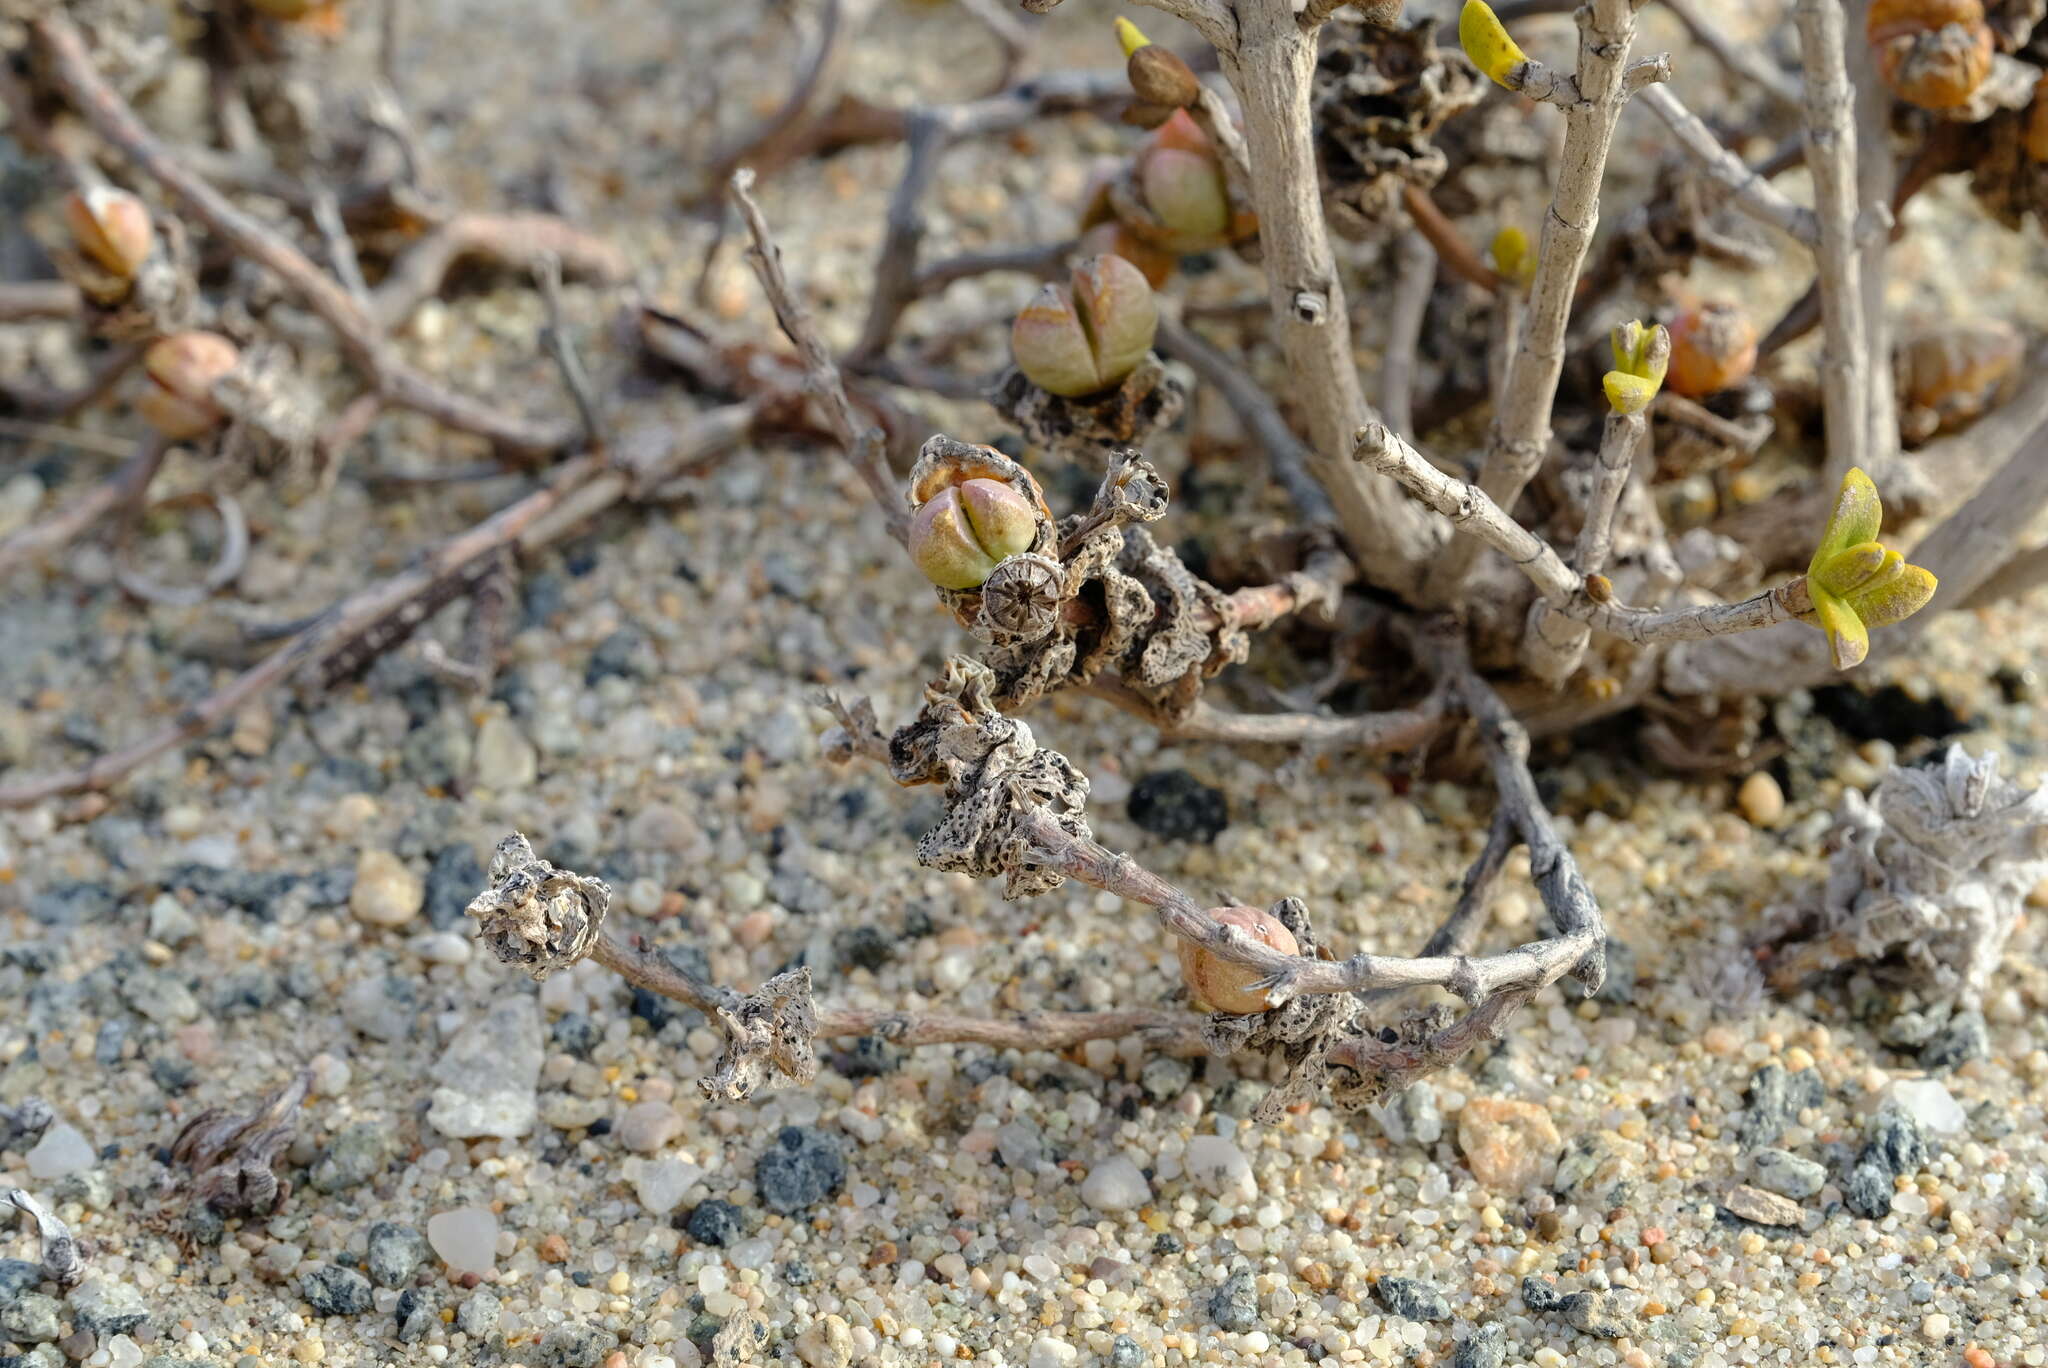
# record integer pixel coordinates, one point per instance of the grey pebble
(160, 997)
(802, 1168)
(381, 1006)
(352, 1157)
(1787, 1174)
(1164, 1079)
(1586, 1158)
(1538, 1295)
(478, 1316)
(1894, 1142)
(107, 1308)
(1235, 1305)
(18, 1276)
(1413, 1298)
(1774, 1100)
(415, 1315)
(1487, 1348)
(575, 1346)
(1620, 983)
(1125, 1353)
(71, 901)
(31, 1318)
(1590, 1314)
(1962, 1040)
(452, 880)
(715, 1222)
(1868, 1192)
(395, 1252)
(332, 1290)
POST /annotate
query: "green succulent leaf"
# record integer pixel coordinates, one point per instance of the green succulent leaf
(1848, 640)
(1848, 569)
(1628, 393)
(1855, 582)
(1856, 519)
(1898, 597)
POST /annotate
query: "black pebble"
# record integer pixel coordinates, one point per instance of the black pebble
(1179, 807)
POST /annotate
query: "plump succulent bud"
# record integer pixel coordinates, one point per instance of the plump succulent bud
(1181, 183)
(1225, 987)
(1486, 42)
(1932, 53)
(1713, 346)
(183, 369)
(1513, 261)
(1158, 76)
(1854, 582)
(111, 227)
(1085, 337)
(959, 535)
(1641, 358)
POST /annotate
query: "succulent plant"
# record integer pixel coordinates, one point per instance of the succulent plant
(1180, 180)
(1226, 987)
(1932, 53)
(1085, 337)
(182, 370)
(960, 534)
(1486, 42)
(1641, 357)
(111, 227)
(1713, 346)
(1111, 238)
(1855, 582)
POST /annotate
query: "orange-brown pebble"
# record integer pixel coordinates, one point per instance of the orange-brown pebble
(554, 1249)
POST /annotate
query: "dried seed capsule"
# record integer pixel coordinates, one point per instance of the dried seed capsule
(1932, 53)
(1084, 338)
(960, 534)
(183, 369)
(111, 227)
(1022, 597)
(1226, 987)
(1158, 76)
(1713, 346)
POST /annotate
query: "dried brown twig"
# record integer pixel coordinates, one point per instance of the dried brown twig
(122, 490)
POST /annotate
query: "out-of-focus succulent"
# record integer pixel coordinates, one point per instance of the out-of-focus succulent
(1180, 182)
(1641, 357)
(1932, 53)
(1111, 238)
(1855, 582)
(1948, 375)
(1083, 338)
(1158, 76)
(111, 227)
(1486, 42)
(1514, 261)
(1713, 346)
(1221, 985)
(182, 370)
